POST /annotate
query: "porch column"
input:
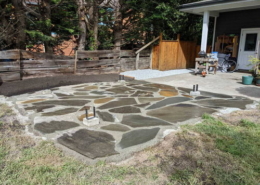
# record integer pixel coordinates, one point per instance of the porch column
(205, 29)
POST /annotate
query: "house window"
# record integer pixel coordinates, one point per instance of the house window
(250, 42)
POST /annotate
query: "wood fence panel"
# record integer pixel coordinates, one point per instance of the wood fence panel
(98, 53)
(186, 55)
(46, 63)
(10, 54)
(168, 55)
(155, 58)
(42, 56)
(93, 63)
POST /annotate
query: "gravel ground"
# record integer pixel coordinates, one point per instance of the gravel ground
(149, 73)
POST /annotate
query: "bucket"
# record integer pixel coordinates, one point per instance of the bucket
(214, 55)
(247, 80)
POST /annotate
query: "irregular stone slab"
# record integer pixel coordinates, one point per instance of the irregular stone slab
(142, 121)
(226, 103)
(60, 112)
(32, 101)
(188, 96)
(180, 112)
(61, 94)
(101, 92)
(204, 93)
(162, 86)
(148, 100)
(116, 127)
(54, 126)
(89, 143)
(138, 82)
(152, 89)
(142, 105)
(201, 97)
(120, 102)
(63, 102)
(167, 102)
(121, 90)
(81, 97)
(125, 110)
(102, 100)
(137, 137)
(168, 93)
(105, 116)
(142, 94)
(39, 108)
(91, 87)
(250, 91)
(80, 93)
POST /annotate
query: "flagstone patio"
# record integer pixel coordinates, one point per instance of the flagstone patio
(132, 115)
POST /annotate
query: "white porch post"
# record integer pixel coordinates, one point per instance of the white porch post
(214, 34)
(205, 29)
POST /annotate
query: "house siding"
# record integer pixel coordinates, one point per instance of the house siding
(233, 22)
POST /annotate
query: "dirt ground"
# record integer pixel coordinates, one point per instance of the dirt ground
(224, 83)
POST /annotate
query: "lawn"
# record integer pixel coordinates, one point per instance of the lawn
(211, 152)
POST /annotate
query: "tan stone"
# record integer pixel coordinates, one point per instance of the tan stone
(168, 93)
(91, 87)
(32, 101)
(103, 100)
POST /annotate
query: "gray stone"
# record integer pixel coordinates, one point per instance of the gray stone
(226, 103)
(152, 89)
(60, 112)
(80, 93)
(82, 97)
(180, 112)
(162, 86)
(142, 94)
(204, 93)
(116, 127)
(63, 102)
(250, 91)
(54, 126)
(118, 103)
(148, 100)
(61, 94)
(39, 108)
(142, 105)
(101, 92)
(125, 110)
(201, 97)
(142, 121)
(90, 143)
(168, 101)
(138, 82)
(105, 116)
(137, 137)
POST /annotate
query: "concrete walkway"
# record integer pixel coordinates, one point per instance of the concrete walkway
(225, 83)
(130, 116)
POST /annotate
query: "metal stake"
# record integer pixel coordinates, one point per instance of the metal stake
(193, 88)
(86, 110)
(197, 87)
(94, 112)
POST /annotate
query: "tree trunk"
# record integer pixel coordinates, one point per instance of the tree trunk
(94, 17)
(82, 25)
(117, 26)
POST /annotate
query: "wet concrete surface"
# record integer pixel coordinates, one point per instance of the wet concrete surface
(130, 115)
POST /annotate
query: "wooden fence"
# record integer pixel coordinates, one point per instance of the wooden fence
(18, 64)
(175, 54)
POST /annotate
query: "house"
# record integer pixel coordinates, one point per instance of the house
(236, 27)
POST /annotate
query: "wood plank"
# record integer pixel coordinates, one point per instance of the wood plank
(127, 53)
(39, 56)
(155, 57)
(47, 70)
(11, 63)
(9, 68)
(168, 55)
(84, 63)
(98, 53)
(10, 54)
(46, 63)
(9, 76)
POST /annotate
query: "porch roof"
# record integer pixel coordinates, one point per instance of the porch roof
(217, 6)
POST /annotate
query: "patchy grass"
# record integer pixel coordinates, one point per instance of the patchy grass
(212, 152)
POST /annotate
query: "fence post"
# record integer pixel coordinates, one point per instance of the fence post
(20, 65)
(75, 62)
(137, 60)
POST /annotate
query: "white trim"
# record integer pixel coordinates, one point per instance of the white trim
(205, 30)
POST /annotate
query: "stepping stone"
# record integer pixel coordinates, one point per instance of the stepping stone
(101, 92)
(138, 82)
(39, 108)
(180, 112)
(63, 102)
(60, 112)
(167, 102)
(61, 94)
(201, 97)
(102, 100)
(142, 94)
(137, 137)
(32, 101)
(142, 105)
(120, 102)
(125, 110)
(92, 144)
(121, 90)
(90, 87)
(152, 89)
(80, 93)
(162, 86)
(81, 97)
(148, 100)
(116, 127)
(105, 116)
(53, 126)
(168, 93)
(204, 93)
(226, 103)
(142, 121)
